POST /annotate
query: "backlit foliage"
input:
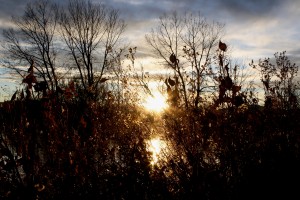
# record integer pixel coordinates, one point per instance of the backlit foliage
(81, 140)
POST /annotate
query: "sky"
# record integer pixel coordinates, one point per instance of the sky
(253, 28)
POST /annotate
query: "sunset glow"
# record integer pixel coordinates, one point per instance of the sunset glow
(155, 103)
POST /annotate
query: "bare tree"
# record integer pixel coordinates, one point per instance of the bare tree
(279, 80)
(185, 43)
(33, 41)
(89, 29)
(199, 40)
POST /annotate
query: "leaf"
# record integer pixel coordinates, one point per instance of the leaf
(236, 88)
(30, 69)
(102, 80)
(173, 58)
(171, 82)
(222, 46)
(228, 83)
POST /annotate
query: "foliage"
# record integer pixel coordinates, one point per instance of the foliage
(87, 138)
(68, 146)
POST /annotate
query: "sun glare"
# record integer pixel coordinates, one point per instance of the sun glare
(156, 103)
(155, 147)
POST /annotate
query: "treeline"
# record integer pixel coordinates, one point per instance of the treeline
(54, 149)
(87, 138)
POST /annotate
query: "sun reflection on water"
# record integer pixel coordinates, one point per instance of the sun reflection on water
(157, 147)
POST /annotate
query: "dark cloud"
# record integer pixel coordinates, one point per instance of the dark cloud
(9, 8)
(243, 18)
(145, 9)
(151, 8)
(136, 11)
(249, 8)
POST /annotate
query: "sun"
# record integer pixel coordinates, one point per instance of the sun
(156, 103)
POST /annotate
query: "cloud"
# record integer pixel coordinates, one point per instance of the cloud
(246, 9)
(254, 29)
(11, 7)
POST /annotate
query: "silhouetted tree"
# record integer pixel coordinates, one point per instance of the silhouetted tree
(186, 44)
(90, 31)
(34, 39)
